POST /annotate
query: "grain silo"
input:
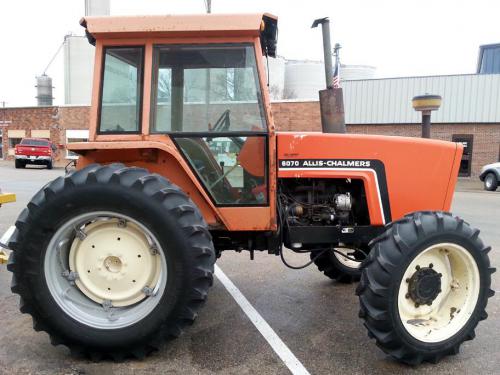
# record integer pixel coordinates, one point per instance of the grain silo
(97, 7)
(79, 59)
(276, 77)
(44, 90)
(303, 79)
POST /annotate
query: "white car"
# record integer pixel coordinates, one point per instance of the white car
(490, 175)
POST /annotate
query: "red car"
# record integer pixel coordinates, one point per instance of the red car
(37, 151)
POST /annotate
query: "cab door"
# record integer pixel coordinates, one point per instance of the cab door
(208, 99)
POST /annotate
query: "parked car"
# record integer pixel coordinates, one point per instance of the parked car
(490, 175)
(37, 151)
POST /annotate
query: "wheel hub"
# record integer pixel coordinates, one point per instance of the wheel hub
(424, 286)
(435, 302)
(114, 262)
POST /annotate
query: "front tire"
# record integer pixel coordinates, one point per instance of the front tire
(19, 164)
(490, 182)
(49, 165)
(337, 267)
(425, 287)
(111, 261)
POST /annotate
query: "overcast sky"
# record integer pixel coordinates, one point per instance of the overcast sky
(398, 37)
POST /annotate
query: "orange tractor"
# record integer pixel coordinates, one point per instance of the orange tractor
(183, 163)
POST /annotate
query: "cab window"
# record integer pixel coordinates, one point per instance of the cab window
(206, 89)
(121, 90)
(231, 168)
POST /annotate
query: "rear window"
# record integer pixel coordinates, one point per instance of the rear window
(34, 142)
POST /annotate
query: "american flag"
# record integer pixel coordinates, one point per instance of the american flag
(336, 77)
(336, 72)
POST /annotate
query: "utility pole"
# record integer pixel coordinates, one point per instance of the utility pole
(1, 131)
(208, 6)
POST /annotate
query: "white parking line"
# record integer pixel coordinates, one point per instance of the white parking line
(264, 328)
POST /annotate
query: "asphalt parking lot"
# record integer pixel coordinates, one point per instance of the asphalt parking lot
(315, 318)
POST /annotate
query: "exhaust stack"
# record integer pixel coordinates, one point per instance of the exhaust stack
(331, 100)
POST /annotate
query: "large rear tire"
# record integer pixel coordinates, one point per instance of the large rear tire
(111, 261)
(425, 287)
(337, 267)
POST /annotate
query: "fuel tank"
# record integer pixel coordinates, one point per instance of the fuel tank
(400, 174)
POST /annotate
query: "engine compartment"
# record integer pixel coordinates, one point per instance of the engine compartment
(337, 202)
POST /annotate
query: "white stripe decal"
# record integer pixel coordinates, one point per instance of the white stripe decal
(264, 328)
(382, 212)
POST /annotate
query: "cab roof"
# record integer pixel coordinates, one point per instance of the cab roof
(175, 25)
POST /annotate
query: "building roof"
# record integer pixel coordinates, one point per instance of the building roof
(175, 25)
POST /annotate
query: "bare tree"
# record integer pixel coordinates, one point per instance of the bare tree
(289, 94)
(275, 92)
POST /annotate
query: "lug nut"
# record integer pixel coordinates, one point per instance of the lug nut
(407, 280)
(440, 274)
(417, 268)
(407, 295)
(431, 265)
(416, 304)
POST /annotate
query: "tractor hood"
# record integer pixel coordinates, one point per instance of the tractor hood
(400, 174)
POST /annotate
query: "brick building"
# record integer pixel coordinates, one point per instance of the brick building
(70, 124)
(482, 140)
(59, 124)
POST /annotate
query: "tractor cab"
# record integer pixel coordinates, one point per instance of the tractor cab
(196, 83)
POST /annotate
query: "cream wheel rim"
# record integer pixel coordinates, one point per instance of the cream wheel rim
(436, 315)
(114, 262)
(349, 263)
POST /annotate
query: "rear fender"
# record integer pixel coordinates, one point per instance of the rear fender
(157, 157)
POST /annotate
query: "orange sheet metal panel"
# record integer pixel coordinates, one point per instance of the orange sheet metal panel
(410, 174)
(174, 25)
(174, 167)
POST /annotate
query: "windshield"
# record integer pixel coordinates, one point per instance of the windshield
(34, 142)
(206, 89)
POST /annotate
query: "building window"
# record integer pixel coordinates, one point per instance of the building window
(14, 141)
(36, 133)
(73, 136)
(467, 141)
(489, 59)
